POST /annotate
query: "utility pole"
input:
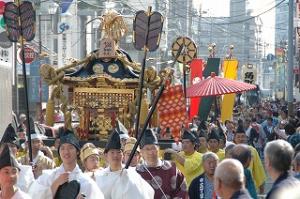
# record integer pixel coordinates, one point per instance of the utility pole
(189, 18)
(290, 74)
(41, 62)
(199, 24)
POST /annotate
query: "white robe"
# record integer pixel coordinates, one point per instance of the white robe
(123, 184)
(25, 177)
(19, 195)
(41, 188)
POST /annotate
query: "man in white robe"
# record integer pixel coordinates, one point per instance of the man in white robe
(48, 184)
(9, 172)
(25, 177)
(117, 182)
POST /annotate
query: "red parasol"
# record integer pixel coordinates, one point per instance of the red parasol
(214, 86)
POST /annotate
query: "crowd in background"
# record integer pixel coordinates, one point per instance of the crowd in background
(212, 159)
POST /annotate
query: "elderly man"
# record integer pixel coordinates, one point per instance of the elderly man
(229, 180)
(203, 185)
(188, 161)
(242, 153)
(166, 180)
(278, 162)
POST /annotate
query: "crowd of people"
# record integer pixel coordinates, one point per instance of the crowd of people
(211, 160)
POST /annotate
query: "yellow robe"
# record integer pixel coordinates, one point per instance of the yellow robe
(221, 154)
(257, 169)
(192, 167)
(203, 151)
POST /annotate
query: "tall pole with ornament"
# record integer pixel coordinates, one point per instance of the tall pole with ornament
(19, 18)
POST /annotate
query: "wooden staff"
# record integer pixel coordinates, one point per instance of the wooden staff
(152, 109)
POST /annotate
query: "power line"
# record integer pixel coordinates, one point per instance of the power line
(234, 22)
(244, 20)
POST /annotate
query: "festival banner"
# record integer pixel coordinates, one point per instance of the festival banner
(230, 67)
(206, 102)
(196, 68)
(249, 74)
(172, 110)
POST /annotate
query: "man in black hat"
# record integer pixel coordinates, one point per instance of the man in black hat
(203, 146)
(25, 175)
(188, 161)
(123, 132)
(10, 137)
(214, 144)
(9, 171)
(166, 180)
(66, 181)
(117, 182)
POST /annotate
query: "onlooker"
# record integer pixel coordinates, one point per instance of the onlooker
(293, 137)
(278, 161)
(269, 129)
(296, 165)
(242, 153)
(229, 130)
(203, 185)
(229, 180)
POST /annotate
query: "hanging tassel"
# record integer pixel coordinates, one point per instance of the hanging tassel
(155, 119)
(50, 113)
(144, 110)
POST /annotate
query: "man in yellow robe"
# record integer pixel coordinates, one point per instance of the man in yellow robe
(188, 161)
(256, 166)
(213, 143)
(203, 146)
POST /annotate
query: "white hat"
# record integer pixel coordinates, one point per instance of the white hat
(36, 136)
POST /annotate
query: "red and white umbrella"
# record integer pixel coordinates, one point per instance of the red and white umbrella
(214, 86)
